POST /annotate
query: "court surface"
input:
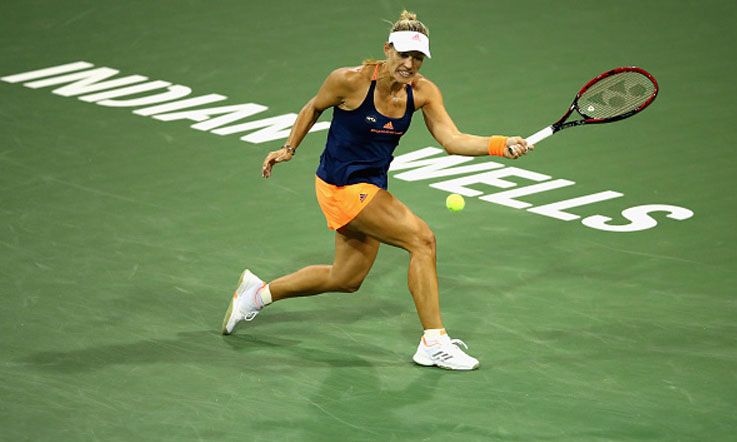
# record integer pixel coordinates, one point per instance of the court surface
(122, 236)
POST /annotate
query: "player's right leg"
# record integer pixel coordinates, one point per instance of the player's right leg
(390, 221)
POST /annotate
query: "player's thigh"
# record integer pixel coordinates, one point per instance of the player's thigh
(392, 222)
(355, 253)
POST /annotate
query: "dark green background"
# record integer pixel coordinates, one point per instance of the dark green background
(122, 237)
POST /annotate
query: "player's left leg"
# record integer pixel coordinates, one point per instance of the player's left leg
(355, 253)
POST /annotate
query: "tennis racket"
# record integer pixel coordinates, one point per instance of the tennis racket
(612, 96)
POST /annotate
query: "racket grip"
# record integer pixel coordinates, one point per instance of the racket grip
(540, 135)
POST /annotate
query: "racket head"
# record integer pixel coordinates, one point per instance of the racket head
(616, 94)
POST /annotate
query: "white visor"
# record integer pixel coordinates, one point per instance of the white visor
(406, 41)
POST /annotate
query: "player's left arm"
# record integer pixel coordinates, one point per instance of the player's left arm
(444, 130)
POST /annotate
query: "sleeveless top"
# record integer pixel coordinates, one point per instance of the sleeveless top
(361, 142)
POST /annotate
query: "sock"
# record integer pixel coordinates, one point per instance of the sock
(432, 336)
(265, 294)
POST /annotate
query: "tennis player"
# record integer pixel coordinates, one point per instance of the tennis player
(372, 106)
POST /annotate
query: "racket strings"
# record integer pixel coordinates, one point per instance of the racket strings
(615, 95)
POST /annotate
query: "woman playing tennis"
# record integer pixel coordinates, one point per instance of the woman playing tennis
(372, 106)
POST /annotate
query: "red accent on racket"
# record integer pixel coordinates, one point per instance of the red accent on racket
(612, 96)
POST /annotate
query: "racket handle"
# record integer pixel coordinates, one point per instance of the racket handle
(540, 135)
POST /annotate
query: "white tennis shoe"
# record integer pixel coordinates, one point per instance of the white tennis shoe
(444, 353)
(246, 302)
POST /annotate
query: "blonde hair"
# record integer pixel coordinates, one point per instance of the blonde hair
(407, 22)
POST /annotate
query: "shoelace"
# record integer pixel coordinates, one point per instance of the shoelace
(250, 316)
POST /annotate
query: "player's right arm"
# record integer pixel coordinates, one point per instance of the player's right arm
(333, 92)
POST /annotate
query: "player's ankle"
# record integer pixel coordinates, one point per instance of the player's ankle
(433, 336)
(265, 294)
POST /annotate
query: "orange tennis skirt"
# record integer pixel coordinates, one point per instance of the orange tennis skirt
(340, 204)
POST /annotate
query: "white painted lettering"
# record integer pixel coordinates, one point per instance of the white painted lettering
(437, 167)
(122, 92)
(173, 93)
(89, 83)
(638, 217)
(234, 112)
(95, 85)
(47, 72)
(556, 210)
(274, 128)
(507, 198)
(181, 104)
(408, 160)
(493, 178)
(85, 82)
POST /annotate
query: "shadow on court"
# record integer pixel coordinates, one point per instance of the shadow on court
(208, 347)
(343, 400)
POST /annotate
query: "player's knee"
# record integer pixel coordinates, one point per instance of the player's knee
(351, 286)
(345, 284)
(424, 240)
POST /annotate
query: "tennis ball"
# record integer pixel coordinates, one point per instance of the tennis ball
(455, 202)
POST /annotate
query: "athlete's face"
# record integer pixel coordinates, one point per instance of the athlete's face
(403, 66)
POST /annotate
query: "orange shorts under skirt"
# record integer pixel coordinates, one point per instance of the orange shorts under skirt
(340, 204)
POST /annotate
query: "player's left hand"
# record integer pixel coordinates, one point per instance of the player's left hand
(516, 147)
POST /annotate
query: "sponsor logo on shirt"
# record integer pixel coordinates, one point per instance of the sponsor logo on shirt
(387, 128)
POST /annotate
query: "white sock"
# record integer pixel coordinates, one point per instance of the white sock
(432, 336)
(265, 294)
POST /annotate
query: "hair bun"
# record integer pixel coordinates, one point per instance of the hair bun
(406, 15)
(408, 22)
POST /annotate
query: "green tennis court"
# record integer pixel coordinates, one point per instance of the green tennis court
(122, 235)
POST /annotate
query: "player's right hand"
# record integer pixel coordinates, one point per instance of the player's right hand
(516, 147)
(274, 157)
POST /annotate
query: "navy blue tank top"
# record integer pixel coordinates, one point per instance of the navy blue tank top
(361, 143)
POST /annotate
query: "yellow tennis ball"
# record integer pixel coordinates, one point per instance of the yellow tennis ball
(455, 202)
